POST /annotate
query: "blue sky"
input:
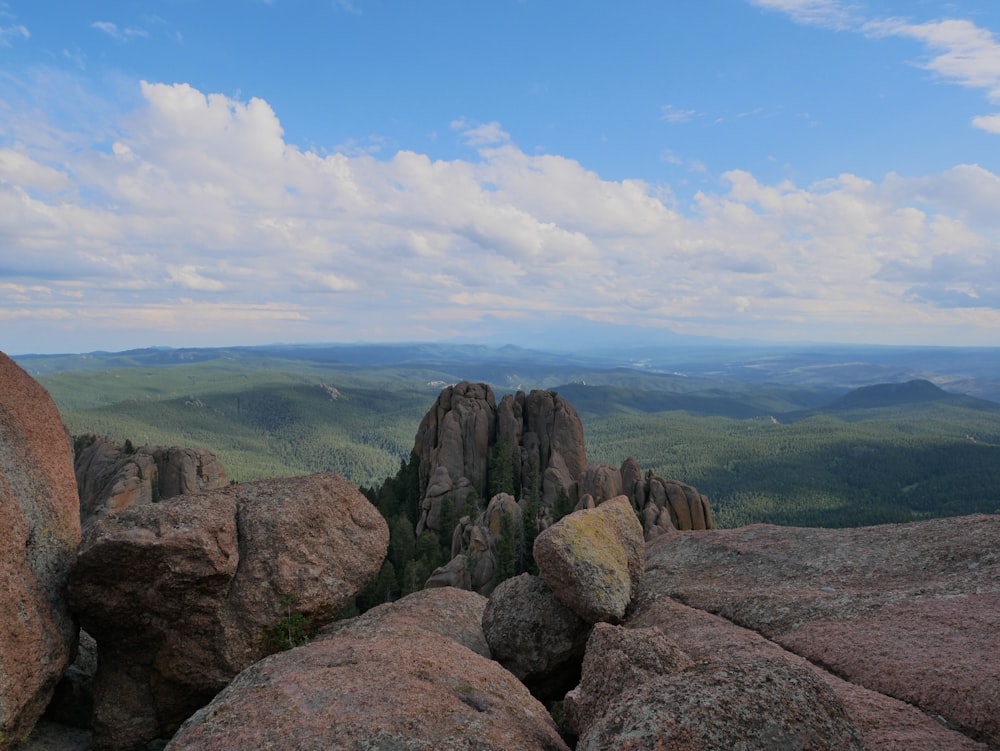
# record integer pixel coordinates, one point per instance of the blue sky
(188, 173)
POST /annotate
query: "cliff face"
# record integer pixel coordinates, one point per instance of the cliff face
(467, 441)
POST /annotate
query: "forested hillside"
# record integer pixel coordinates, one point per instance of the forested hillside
(788, 454)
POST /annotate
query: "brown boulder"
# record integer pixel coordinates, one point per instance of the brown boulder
(908, 610)
(593, 560)
(39, 534)
(535, 636)
(184, 594)
(110, 477)
(379, 681)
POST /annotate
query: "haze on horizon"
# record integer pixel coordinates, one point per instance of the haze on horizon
(252, 171)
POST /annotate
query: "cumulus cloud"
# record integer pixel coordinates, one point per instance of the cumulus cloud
(200, 214)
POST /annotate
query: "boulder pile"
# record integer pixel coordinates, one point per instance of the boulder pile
(184, 594)
(214, 613)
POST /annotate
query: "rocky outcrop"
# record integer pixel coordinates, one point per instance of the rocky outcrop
(593, 560)
(401, 676)
(663, 505)
(475, 547)
(535, 636)
(909, 612)
(184, 594)
(528, 445)
(39, 533)
(111, 477)
(746, 702)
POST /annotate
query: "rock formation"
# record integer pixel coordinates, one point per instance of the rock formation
(664, 505)
(531, 444)
(111, 477)
(401, 676)
(184, 594)
(39, 533)
(468, 447)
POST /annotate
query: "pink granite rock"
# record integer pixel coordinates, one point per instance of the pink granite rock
(907, 610)
(379, 682)
(39, 534)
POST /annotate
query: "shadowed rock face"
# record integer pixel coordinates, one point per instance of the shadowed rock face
(401, 677)
(39, 533)
(535, 636)
(182, 595)
(109, 478)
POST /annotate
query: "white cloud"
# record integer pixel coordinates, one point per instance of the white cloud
(200, 214)
(9, 34)
(832, 14)
(676, 115)
(989, 123)
(958, 51)
(116, 32)
(961, 52)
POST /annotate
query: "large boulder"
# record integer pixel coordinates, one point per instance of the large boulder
(111, 477)
(39, 534)
(401, 677)
(535, 636)
(593, 560)
(907, 611)
(750, 704)
(184, 594)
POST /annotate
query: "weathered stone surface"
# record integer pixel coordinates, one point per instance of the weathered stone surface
(617, 660)
(593, 560)
(749, 704)
(110, 478)
(210, 578)
(39, 533)
(908, 610)
(535, 636)
(885, 723)
(602, 481)
(453, 613)
(475, 549)
(378, 682)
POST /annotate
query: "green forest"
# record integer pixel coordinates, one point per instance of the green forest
(761, 453)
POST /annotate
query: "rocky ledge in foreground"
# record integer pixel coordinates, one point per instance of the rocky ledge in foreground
(414, 674)
(911, 611)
